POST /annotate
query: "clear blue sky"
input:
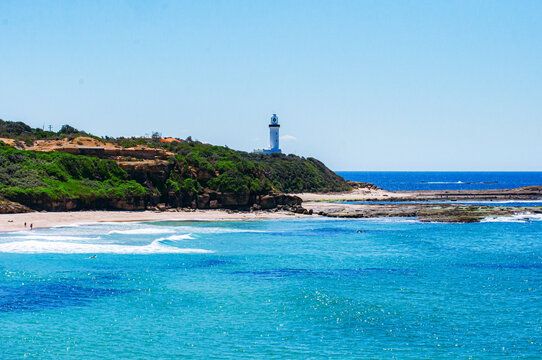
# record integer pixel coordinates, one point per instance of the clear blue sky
(361, 85)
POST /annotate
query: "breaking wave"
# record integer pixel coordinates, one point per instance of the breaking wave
(218, 230)
(55, 237)
(177, 237)
(56, 247)
(143, 231)
(518, 218)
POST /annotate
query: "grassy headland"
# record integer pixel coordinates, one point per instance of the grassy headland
(135, 173)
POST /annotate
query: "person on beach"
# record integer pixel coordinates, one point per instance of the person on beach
(31, 226)
(25, 224)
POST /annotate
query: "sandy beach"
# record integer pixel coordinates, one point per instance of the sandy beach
(356, 194)
(15, 222)
(318, 203)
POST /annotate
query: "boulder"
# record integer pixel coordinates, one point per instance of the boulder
(234, 200)
(288, 200)
(203, 201)
(268, 202)
(162, 207)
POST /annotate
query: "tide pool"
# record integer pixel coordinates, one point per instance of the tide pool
(300, 288)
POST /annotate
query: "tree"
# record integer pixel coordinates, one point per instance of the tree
(67, 129)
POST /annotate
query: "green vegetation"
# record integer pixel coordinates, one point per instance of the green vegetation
(20, 131)
(29, 176)
(222, 169)
(193, 168)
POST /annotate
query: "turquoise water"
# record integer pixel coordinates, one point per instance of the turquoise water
(310, 288)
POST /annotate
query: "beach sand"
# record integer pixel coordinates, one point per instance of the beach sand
(352, 195)
(319, 203)
(15, 222)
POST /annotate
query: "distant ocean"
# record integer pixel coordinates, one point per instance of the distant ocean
(445, 180)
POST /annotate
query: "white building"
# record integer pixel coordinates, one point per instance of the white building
(273, 137)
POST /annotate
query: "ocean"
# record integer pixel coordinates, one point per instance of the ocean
(283, 289)
(445, 180)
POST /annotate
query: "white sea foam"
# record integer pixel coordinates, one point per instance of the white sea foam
(28, 236)
(217, 230)
(521, 218)
(142, 231)
(443, 182)
(39, 247)
(189, 229)
(177, 237)
(389, 220)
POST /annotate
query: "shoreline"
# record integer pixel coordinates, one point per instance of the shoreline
(455, 206)
(457, 209)
(367, 194)
(42, 220)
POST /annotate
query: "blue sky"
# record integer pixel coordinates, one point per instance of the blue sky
(361, 85)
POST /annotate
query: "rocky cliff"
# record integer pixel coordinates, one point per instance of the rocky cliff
(54, 172)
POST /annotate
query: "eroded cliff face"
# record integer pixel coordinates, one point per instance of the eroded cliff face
(10, 207)
(212, 200)
(166, 180)
(153, 174)
(75, 204)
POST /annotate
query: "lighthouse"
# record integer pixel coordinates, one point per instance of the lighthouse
(274, 134)
(273, 137)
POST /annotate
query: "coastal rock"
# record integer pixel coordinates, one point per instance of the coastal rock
(204, 174)
(10, 207)
(155, 171)
(268, 202)
(203, 201)
(288, 200)
(162, 207)
(362, 185)
(234, 200)
(134, 204)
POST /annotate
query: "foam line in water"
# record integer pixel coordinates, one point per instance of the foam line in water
(177, 237)
(29, 236)
(521, 218)
(55, 247)
(443, 182)
(217, 230)
(142, 231)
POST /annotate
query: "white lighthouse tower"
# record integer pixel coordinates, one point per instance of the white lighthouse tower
(273, 137)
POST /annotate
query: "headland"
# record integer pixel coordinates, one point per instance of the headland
(70, 176)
